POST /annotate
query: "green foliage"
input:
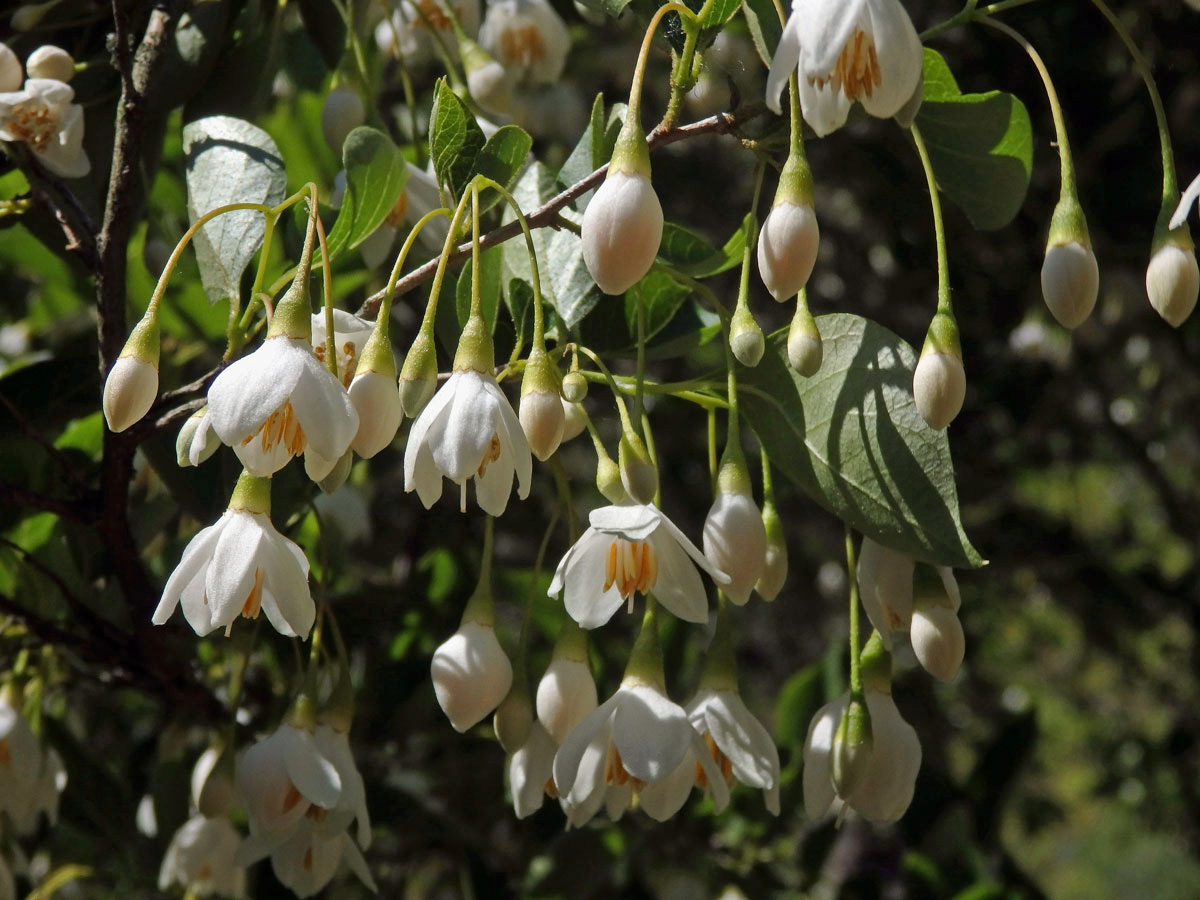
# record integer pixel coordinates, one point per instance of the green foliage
(375, 177)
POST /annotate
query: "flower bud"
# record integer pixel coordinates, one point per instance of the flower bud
(745, 337)
(27, 17)
(342, 113)
(735, 539)
(212, 781)
(804, 347)
(567, 691)
(541, 413)
(132, 382)
(488, 82)
(638, 472)
(1173, 283)
(852, 749)
(939, 382)
(574, 387)
(787, 249)
(52, 62)
(197, 440)
(885, 583)
(608, 480)
(1070, 276)
(418, 377)
(623, 223)
(375, 396)
(574, 420)
(11, 75)
(938, 640)
(513, 719)
(471, 674)
(328, 475)
(775, 565)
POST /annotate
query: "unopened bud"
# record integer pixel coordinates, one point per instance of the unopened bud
(513, 719)
(541, 413)
(574, 420)
(52, 62)
(938, 640)
(1173, 283)
(885, 581)
(418, 377)
(623, 223)
(775, 566)
(10, 70)
(574, 387)
(639, 475)
(212, 781)
(608, 480)
(939, 386)
(735, 539)
(328, 474)
(745, 337)
(132, 382)
(342, 113)
(375, 396)
(567, 691)
(787, 249)
(804, 346)
(1070, 275)
(488, 82)
(471, 674)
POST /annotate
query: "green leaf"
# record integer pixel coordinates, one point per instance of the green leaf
(764, 25)
(227, 161)
(852, 439)
(692, 255)
(491, 261)
(591, 152)
(981, 146)
(455, 139)
(610, 7)
(501, 160)
(662, 296)
(720, 12)
(375, 177)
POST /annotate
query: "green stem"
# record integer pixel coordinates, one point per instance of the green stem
(939, 228)
(639, 73)
(640, 370)
(443, 261)
(612, 386)
(1170, 185)
(539, 324)
(476, 278)
(970, 14)
(327, 285)
(273, 214)
(856, 683)
(1060, 125)
(385, 307)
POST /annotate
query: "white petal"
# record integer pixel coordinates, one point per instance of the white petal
(665, 797)
(596, 727)
(513, 435)
(244, 395)
(818, 764)
(665, 524)
(718, 789)
(742, 738)
(235, 560)
(469, 426)
(584, 573)
(417, 454)
(324, 410)
(313, 775)
(632, 521)
(679, 588)
(784, 63)
(824, 108)
(900, 58)
(493, 489)
(529, 769)
(196, 557)
(1186, 202)
(651, 732)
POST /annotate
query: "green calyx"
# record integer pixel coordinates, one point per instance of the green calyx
(631, 153)
(733, 477)
(293, 313)
(418, 376)
(1164, 235)
(572, 643)
(303, 713)
(1068, 225)
(541, 375)
(645, 664)
(876, 666)
(720, 663)
(475, 350)
(639, 475)
(338, 711)
(252, 494)
(942, 336)
(377, 353)
(143, 343)
(795, 182)
(852, 746)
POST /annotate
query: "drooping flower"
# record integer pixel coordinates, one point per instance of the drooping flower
(471, 674)
(630, 548)
(42, 116)
(527, 37)
(200, 859)
(885, 582)
(410, 32)
(196, 441)
(740, 745)
(241, 565)
(333, 742)
(846, 51)
(350, 334)
(622, 229)
(531, 771)
(20, 756)
(307, 861)
(735, 538)
(342, 113)
(468, 431)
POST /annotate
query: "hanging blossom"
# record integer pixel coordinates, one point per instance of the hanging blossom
(468, 431)
(847, 51)
(632, 548)
(527, 37)
(739, 744)
(410, 32)
(241, 566)
(200, 858)
(42, 117)
(31, 777)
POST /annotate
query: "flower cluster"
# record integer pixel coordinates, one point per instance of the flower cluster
(41, 115)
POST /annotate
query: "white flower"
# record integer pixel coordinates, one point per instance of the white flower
(129, 392)
(407, 33)
(739, 744)
(10, 70)
(468, 431)
(628, 548)
(621, 231)
(196, 441)
(527, 37)
(42, 117)
(20, 758)
(1186, 202)
(938, 640)
(471, 674)
(890, 774)
(240, 566)
(282, 780)
(308, 860)
(735, 540)
(885, 583)
(1070, 282)
(530, 771)
(279, 401)
(334, 745)
(637, 738)
(847, 50)
(200, 858)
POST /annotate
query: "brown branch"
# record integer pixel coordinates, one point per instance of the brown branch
(77, 226)
(34, 435)
(547, 214)
(19, 496)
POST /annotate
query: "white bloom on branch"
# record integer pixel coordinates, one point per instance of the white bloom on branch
(410, 32)
(468, 431)
(740, 745)
(42, 117)
(527, 37)
(471, 674)
(200, 858)
(631, 548)
(308, 860)
(847, 51)
(530, 771)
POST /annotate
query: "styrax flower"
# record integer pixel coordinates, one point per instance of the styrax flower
(241, 565)
(741, 747)
(42, 116)
(636, 738)
(847, 51)
(471, 674)
(200, 858)
(632, 548)
(334, 744)
(308, 860)
(527, 37)
(20, 756)
(530, 771)
(468, 431)
(412, 30)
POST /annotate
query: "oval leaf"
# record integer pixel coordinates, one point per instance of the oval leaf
(852, 439)
(455, 139)
(375, 177)
(228, 161)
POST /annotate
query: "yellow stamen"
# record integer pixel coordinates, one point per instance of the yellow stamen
(291, 798)
(632, 566)
(722, 761)
(253, 604)
(615, 772)
(522, 45)
(399, 212)
(281, 425)
(857, 72)
(33, 124)
(490, 455)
